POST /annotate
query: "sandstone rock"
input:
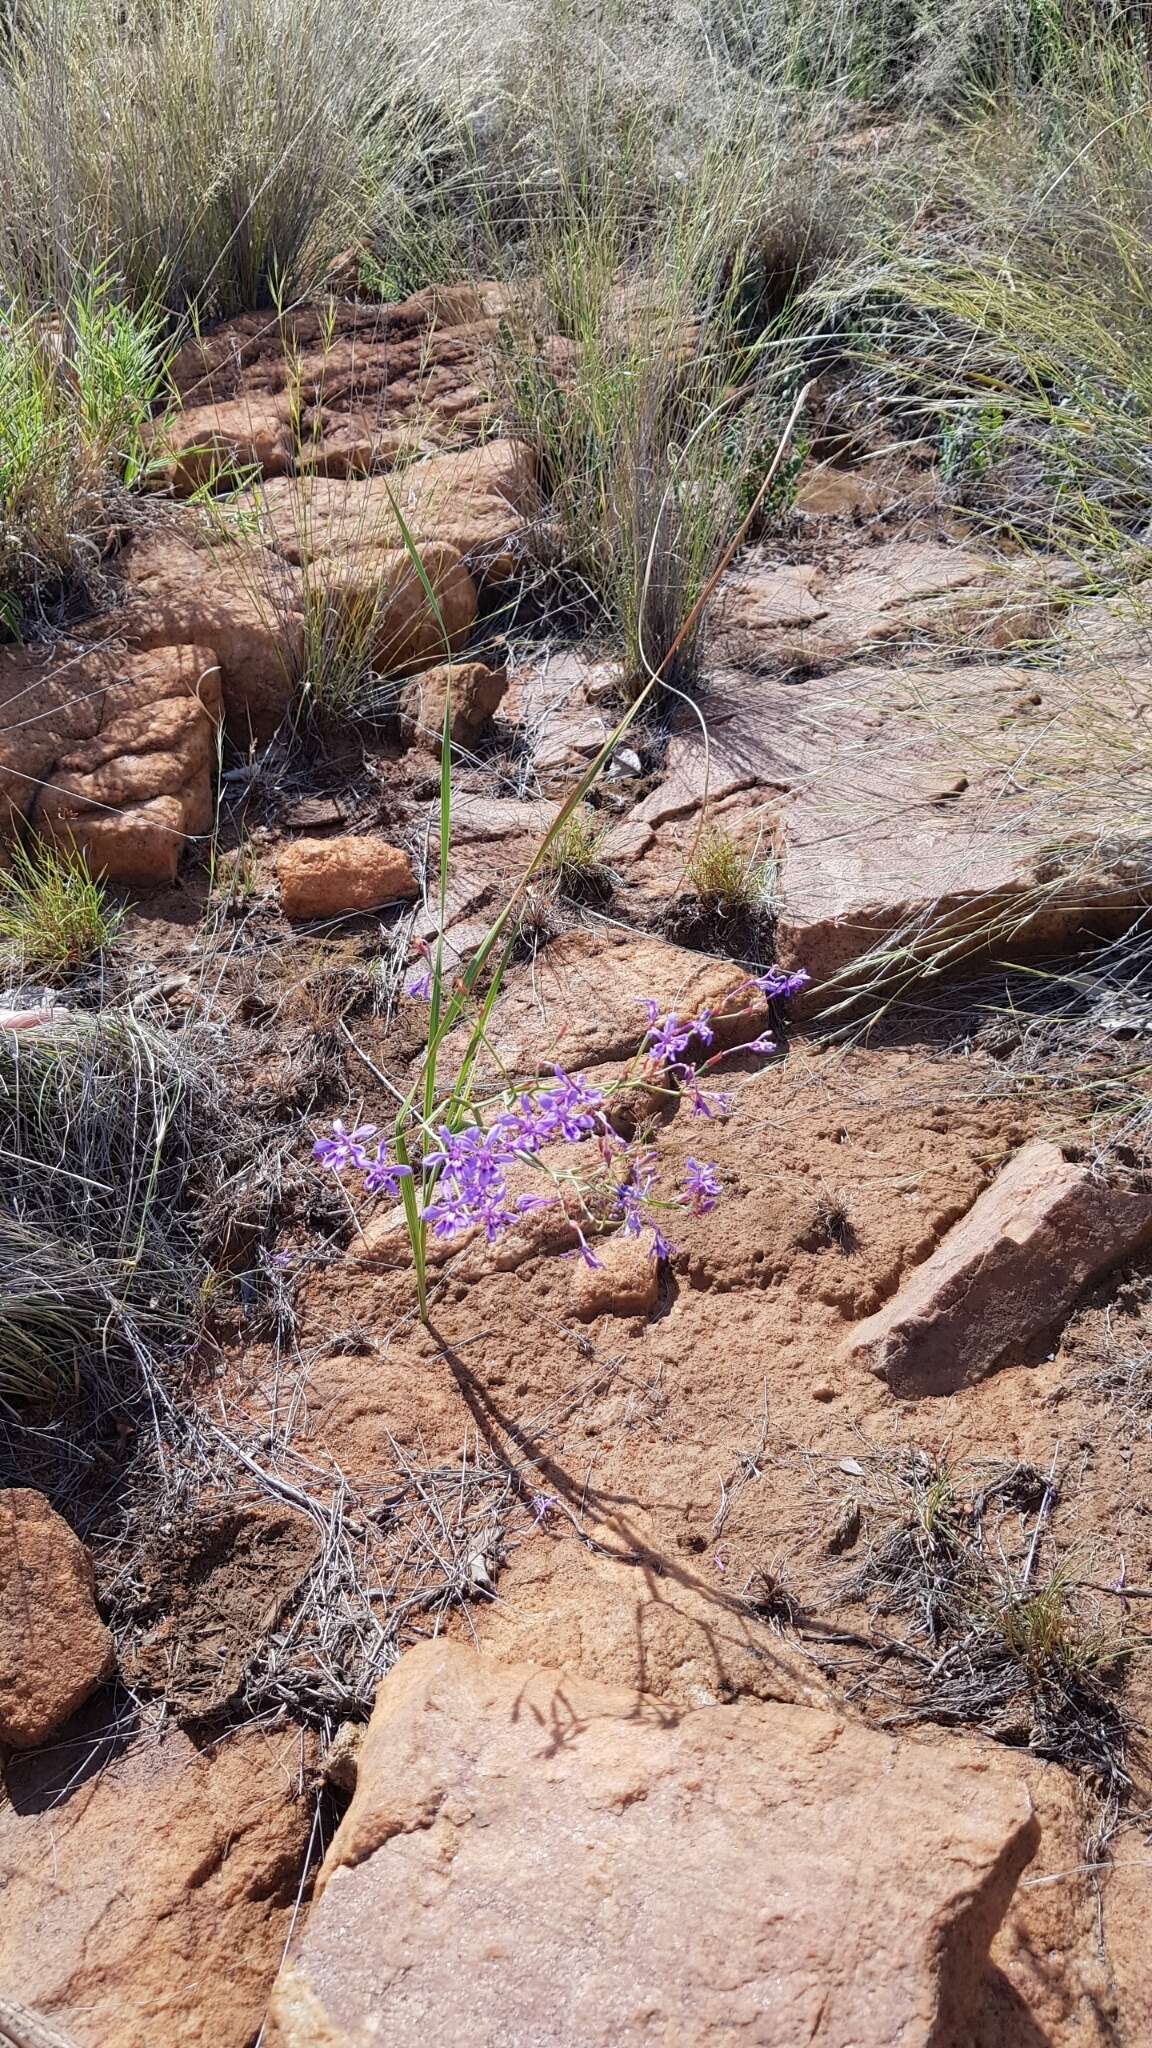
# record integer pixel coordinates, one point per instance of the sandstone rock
(379, 602)
(132, 795)
(328, 877)
(624, 1282)
(582, 1002)
(223, 444)
(928, 875)
(1003, 1279)
(356, 443)
(111, 751)
(417, 349)
(477, 501)
(177, 590)
(906, 590)
(629, 1614)
(761, 1872)
(251, 607)
(54, 1648)
(148, 1890)
(695, 772)
(477, 692)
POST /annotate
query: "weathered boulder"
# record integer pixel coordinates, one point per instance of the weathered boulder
(910, 591)
(927, 874)
(625, 1281)
(111, 751)
(477, 692)
(629, 1614)
(329, 877)
(1003, 1279)
(477, 500)
(182, 587)
(760, 1872)
(583, 1003)
(420, 367)
(132, 796)
(148, 1889)
(376, 604)
(261, 614)
(54, 1648)
(217, 445)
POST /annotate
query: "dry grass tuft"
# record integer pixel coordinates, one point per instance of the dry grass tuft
(576, 859)
(102, 1134)
(993, 1639)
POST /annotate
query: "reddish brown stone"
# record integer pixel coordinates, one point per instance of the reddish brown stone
(477, 692)
(624, 1282)
(531, 1857)
(328, 877)
(54, 1648)
(148, 1894)
(1005, 1276)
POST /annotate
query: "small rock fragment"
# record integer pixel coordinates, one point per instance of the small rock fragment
(1003, 1279)
(342, 1756)
(54, 1648)
(327, 877)
(477, 692)
(625, 1282)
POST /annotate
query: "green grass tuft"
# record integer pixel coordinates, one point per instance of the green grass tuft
(726, 878)
(54, 918)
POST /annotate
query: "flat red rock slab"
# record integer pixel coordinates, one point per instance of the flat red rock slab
(534, 1858)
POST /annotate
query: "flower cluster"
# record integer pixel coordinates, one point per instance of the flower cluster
(669, 1037)
(464, 1172)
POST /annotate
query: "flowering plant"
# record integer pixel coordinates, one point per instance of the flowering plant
(449, 1163)
(453, 1168)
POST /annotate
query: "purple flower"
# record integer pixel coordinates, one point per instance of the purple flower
(419, 985)
(667, 1037)
(383, 1177)
(660, 1247)
(569, 1110)
(778, 986)
(765, 1043)
(631, 1195)
(471, 1188)
(344, 1148)
(542, 1505)
(585, 1250)
(708, 1102)
(665, 1040)
(702, 1189)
